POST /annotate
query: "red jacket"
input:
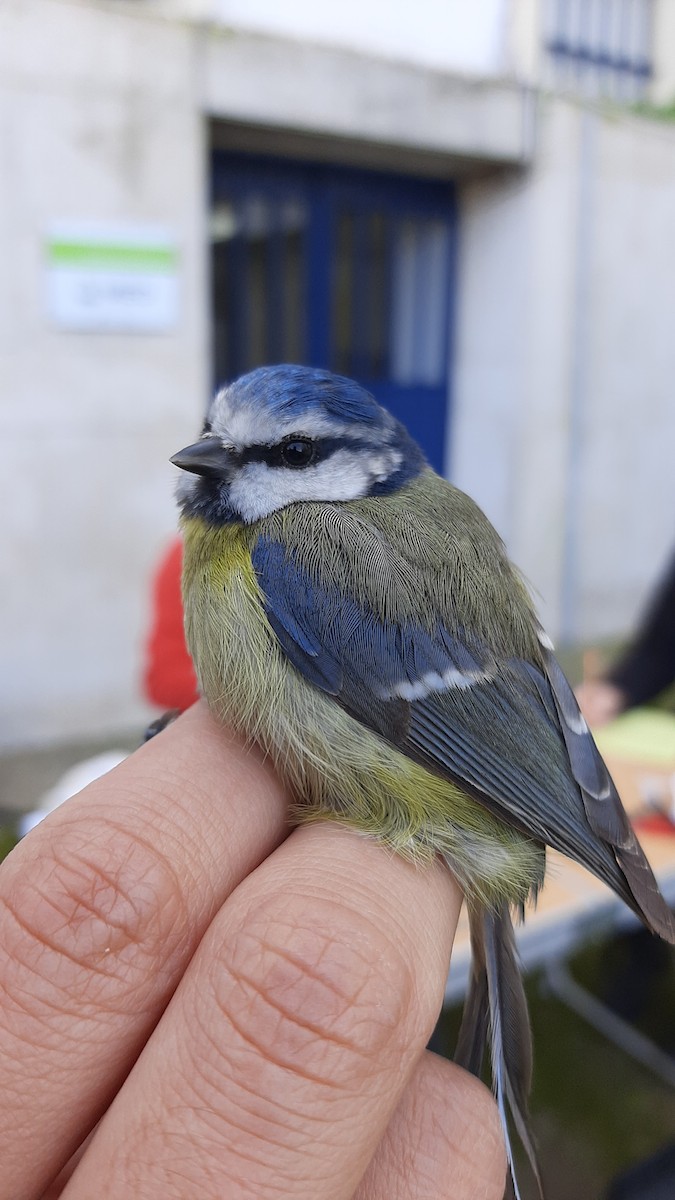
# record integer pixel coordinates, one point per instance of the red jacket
(169, 679)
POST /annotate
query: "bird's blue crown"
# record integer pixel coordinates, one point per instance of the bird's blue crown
(292, 392)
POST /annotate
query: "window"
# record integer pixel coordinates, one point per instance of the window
(344, 269)
(600, 47)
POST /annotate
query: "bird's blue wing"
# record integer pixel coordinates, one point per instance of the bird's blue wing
(507, 730)
(371, 666)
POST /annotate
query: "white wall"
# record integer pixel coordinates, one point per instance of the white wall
(103, 115)
(524, 51)
(477, 37)
(97, 122)
(663, 82)
(628, 432)
(383, 107)
(564, 331)
(564, 424)
(449, 34)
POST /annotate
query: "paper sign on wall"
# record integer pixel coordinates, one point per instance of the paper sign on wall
(112, 278)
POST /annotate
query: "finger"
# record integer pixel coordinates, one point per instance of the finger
(101, 908)
(284, 1052)
(55, 1189)
(444, 1142)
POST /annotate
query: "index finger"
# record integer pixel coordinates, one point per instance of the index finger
(286, 1049)
(101, 908)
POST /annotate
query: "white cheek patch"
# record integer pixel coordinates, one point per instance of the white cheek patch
(258, 489)
(433, 681)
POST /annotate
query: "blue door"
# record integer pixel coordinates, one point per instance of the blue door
(351, 270)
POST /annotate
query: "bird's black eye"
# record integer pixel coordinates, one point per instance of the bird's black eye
(297, 452)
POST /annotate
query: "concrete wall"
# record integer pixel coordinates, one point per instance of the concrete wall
(102, 130)
(663, 83)
(447, 34)
(112, 129)
(627, 435)
(524, 38)
(564, 425)
(484, 37)
(466, 123)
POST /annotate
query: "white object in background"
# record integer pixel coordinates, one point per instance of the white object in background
(76, 778)
(110, 278)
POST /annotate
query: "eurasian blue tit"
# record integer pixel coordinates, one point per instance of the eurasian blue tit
(356, 616)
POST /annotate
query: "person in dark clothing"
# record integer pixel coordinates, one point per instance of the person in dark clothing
(645, 669)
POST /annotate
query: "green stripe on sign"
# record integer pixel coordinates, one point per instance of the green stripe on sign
(97, 255)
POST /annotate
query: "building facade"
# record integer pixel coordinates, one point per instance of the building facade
(475, 217)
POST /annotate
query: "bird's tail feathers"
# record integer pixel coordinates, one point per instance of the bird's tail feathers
(473, 1031)
(496, 1003)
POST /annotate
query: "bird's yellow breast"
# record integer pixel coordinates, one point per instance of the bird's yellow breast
(335, 767)
(231, 642)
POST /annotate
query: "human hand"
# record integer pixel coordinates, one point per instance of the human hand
(234, 1012)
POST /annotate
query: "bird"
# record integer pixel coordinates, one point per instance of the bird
(356, 616)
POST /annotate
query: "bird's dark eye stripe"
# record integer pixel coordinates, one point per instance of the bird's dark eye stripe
(323, 448)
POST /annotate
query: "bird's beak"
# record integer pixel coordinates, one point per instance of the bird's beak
(208, 456)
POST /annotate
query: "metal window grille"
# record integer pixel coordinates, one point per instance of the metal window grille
(600, 47)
